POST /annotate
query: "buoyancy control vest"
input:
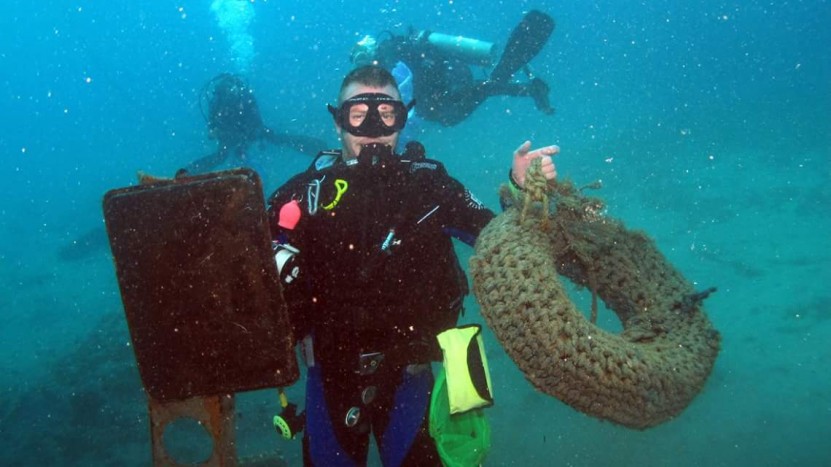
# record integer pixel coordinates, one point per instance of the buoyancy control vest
(378, 266)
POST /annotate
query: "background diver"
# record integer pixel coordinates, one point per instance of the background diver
(436, 67)
(234, 121)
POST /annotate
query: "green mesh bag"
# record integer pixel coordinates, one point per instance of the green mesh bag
(463, 439)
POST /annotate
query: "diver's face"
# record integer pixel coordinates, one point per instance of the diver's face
(352, 144)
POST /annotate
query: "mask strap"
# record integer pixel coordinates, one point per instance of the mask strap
(335, 112)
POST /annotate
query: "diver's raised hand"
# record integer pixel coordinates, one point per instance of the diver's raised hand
(523, 157)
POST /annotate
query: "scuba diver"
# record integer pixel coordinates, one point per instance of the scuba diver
(235, 123)
(363, 245)
(437, 67)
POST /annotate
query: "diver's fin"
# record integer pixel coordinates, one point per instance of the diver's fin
(526, 41)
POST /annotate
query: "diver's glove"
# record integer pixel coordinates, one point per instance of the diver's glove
(288, 422)
(374, 153)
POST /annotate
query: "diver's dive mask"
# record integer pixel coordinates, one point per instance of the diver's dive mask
(371, 114)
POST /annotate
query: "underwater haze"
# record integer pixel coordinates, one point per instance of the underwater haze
(708, 122)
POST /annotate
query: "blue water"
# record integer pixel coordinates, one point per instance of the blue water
(708, 123)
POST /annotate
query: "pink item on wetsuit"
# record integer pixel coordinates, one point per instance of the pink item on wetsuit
(289, 215)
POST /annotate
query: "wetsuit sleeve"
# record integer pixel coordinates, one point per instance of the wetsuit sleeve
(463, 215)
(204, 164)
(308, 145)
(468, 215)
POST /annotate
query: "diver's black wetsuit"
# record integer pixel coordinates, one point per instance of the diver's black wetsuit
(444, 87)
(378, 274)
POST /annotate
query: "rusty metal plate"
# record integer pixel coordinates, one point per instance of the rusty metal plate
(199, 285)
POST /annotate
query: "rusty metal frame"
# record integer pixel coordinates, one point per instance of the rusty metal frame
(195, 350)
(215, 413)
